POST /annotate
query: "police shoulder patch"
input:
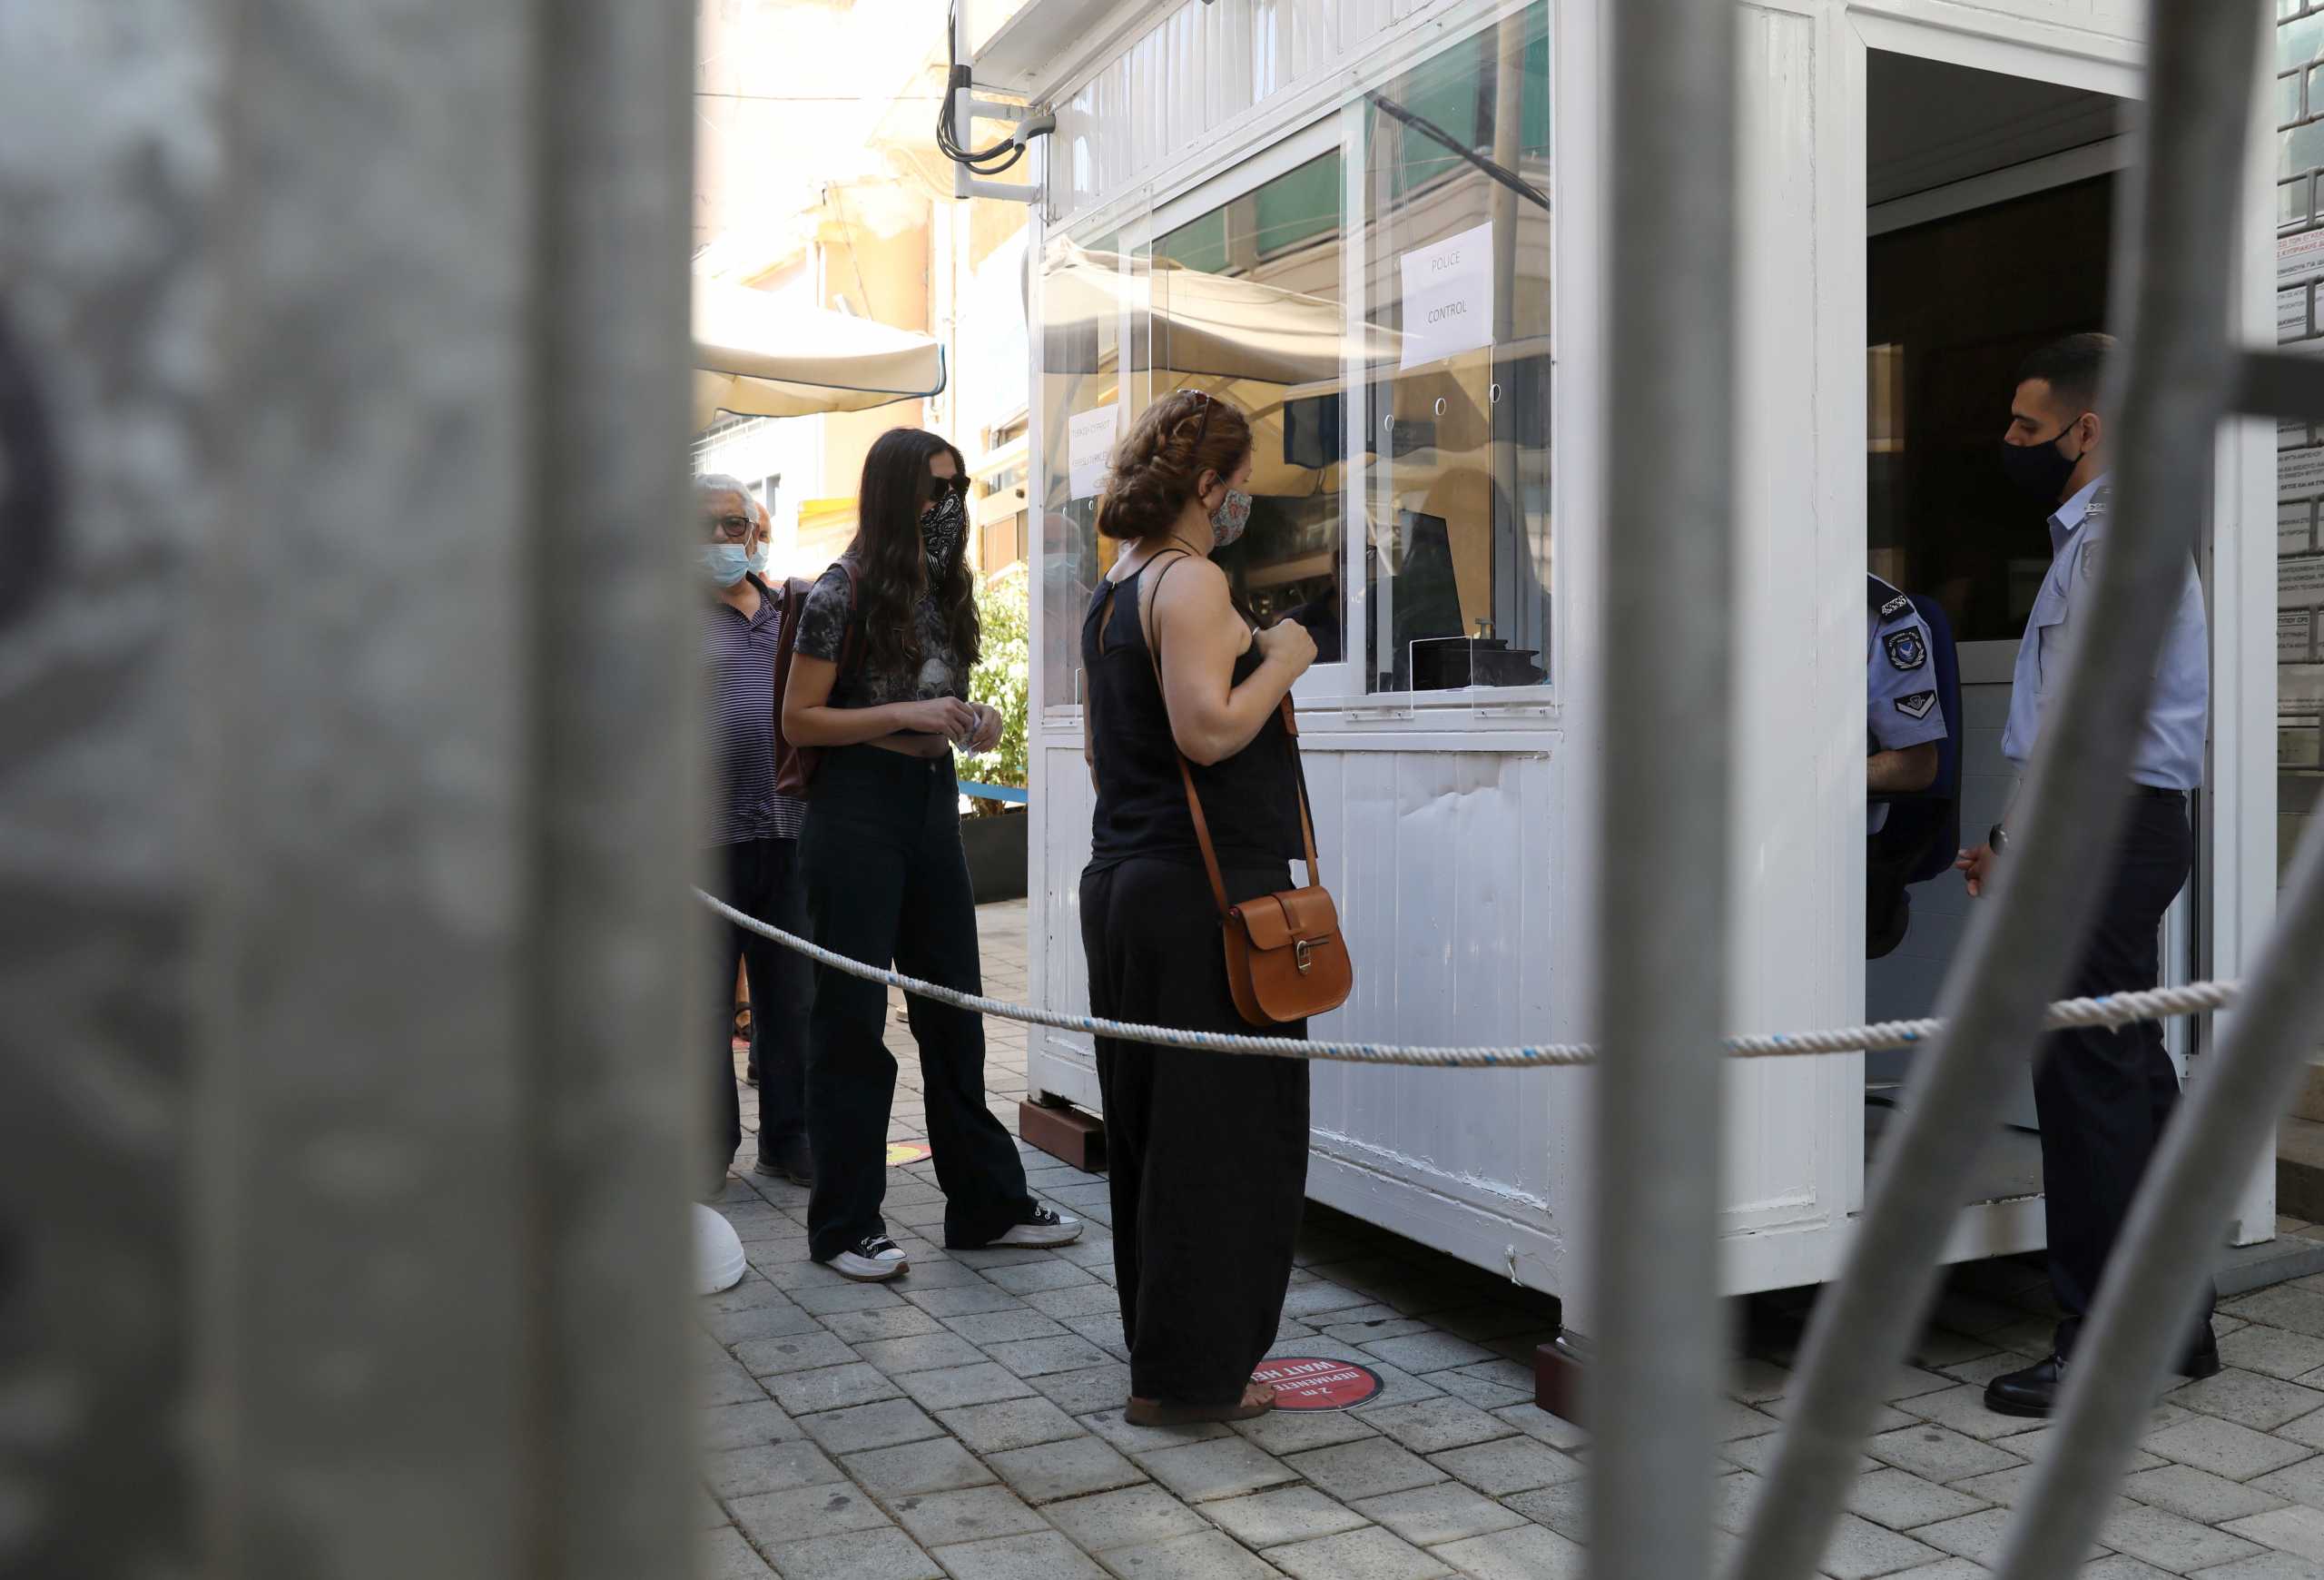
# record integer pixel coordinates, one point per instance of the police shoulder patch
(1901, 603)
(1905, 649)
(1917, 704)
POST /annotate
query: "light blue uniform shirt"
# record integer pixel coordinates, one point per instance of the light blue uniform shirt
(1901, 707)
(2169, 751)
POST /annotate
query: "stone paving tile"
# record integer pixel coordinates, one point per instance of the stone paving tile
(1471, 1390)
(962, 1300)
(1296, 1431)
(2273, 1351)
(1447, 1512)
(766, 1467)
(1542, 1426)
(834, 1388)
(2249, 1398)
(1040, 1356)
(2198, 1494)
(1289, 1514)
(726, 1384)
(961, 1386)
(2300, 1310)
(884, 1555)
(1958, 1569)
(1977, 1537)
(845, 1296)
(1423, 1353)
(1019, 1324)
(1129, 1440)
(1370, 1553)
(1098, 1300)
(879, 1426)
(2004, 1487)
(2308, 1429)
(1044, 1556)
(2296, 1529)
(1009, 1424)
(1901, 1500)
(1314, 1299)
(2168, 1541)
(921, 1352)
(1026, 1278)
(1963, 1409)
(1200, 1556)
(938, 1465)
(740, 1425)
(938, 1519)
(1431, 1425)
(2266, 1567)
(777, 1521)
(2114, 1566)
(1133, 1517)
(1078, 1393)
(1732, 1499)
(725, 1555)
(1349, 1471)
(2225, 1448)
(1939, 1454)
(1510, 1465)
(1523, 1553)
(1860, 1549)
(769, 1321)
(1223, 1467)
(1071, 1467)
(860, 1327)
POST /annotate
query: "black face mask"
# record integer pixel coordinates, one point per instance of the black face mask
(2041, 471)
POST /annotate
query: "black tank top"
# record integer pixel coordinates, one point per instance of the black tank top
(1249, 800)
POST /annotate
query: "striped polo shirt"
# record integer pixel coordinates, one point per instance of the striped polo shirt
(738, 664)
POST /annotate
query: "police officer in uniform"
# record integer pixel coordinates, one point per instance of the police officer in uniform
(2102, 1095)
(1903, 723)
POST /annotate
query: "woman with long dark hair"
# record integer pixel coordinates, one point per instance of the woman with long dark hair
(880, 683)
(1208, 1150)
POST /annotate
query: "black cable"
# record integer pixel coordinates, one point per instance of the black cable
(981, 161)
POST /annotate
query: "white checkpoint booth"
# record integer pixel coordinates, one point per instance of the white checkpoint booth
(1377, 225)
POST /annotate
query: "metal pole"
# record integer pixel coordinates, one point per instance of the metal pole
(2173, 264)
(108, 351)
(444, 1215)
(1663, 894)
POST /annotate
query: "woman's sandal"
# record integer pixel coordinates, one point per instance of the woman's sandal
(1155, 1413)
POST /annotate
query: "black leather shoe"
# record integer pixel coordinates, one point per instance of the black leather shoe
(2033, 1391)
(2203, 1360)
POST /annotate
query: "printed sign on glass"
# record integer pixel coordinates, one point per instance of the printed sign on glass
(1448, 297)
(1089, 442)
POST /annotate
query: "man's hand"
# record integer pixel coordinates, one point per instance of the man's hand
(1977, 866)
(987, 734)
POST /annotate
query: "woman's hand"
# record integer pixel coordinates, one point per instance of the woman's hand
(987, 735)
(941, 716)
(1286, 643)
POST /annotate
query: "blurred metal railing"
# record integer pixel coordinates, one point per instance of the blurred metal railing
(2177, 375)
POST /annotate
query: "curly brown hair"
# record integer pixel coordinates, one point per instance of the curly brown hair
(890, 569)
(1161, 463)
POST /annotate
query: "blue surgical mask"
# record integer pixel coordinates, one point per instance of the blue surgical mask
(727, 563)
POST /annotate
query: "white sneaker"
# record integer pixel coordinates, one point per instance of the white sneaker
(1043, 1229)
(872, 1259)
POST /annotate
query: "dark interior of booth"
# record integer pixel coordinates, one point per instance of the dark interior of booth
(1990, 207)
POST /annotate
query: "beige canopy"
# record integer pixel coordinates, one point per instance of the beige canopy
(757, 355)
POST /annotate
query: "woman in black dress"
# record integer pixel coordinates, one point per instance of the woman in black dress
(879, 680)
(1209, 1150)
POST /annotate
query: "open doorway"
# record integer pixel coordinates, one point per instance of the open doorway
(1990, 208)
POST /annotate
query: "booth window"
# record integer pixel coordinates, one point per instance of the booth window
(1456, 314)
(1085, 311)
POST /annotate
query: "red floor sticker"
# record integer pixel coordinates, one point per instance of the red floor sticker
(1311, 1383)
(905, 1152)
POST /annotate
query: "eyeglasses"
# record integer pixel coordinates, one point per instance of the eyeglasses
(733, 529)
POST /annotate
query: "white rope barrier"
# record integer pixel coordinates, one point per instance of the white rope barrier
(2114, 1009)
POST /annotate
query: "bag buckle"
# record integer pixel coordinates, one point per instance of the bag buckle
(1299, 956)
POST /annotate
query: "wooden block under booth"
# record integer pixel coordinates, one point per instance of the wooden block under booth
(1064, 1132)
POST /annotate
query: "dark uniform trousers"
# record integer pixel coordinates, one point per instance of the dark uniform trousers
(2102, 1095)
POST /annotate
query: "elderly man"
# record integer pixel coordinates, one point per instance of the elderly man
(753, 831)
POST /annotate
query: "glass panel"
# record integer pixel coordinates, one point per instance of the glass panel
(1245, 302)
(1456, 264)
(1088, 291)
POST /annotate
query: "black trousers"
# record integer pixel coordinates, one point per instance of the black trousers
(1207, 1152)
(887, 883)
(759, 877)
(2103, 1096)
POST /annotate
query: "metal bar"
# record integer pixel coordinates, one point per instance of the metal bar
(108, 277)
(617, 1101)
(2171, 385)
(1662, 900)
(2280, 384)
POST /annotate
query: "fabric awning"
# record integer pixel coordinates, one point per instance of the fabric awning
(757, 355)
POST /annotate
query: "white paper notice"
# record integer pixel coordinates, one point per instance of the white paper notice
(2291, 314)
(2291, 527)
(2300, 258)
(1089, 445)
(2293, 628)
(2296, 746)
(1448, 297)
(2300, 473)
(2299, 583)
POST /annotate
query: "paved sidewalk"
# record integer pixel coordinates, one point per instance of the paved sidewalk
(965, 1421)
